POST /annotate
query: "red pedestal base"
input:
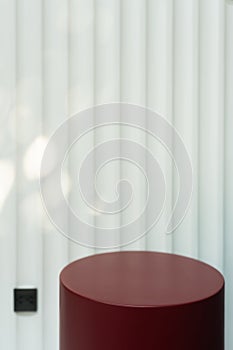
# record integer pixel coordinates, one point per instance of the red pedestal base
(141, 300)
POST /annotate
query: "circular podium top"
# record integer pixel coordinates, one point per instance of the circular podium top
(141, 279)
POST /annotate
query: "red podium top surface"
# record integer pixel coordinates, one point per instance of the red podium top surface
(141, 279)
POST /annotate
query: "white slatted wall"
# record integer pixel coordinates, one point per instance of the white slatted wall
(59, 57)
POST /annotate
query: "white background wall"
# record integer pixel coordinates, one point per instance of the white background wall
(59, 57)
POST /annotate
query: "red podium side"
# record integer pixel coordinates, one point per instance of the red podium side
(141, 300)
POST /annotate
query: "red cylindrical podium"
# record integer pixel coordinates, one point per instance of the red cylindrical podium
(141, 300)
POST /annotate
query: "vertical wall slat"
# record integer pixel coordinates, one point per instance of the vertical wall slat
(55, 68)
(107, 90)
(133, 90)
(7, 175)
(185, 109)
(29, 120)
(159, 99)
(211, 93)
(81, 96)
(228, 203)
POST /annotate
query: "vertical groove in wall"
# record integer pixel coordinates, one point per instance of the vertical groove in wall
(172, 103)
(198, 121)
(186, 112)
(145, 237)
(159, 76)
(43, 256)
(222, 126)
(80, 97)
(94, 104)
(228, 191)
(120, 100)
(211, 130)
(55, 64)
(7, 175)
(29, 110)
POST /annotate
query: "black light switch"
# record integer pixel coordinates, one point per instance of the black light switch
(25, 300)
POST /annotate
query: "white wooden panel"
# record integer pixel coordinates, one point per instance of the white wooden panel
(133, 90)
(7, 175)
(159, 99)
(29, 128)
(55, 81)
(81, 96)
(107, 90)
(185, 109)
(228, 204)
(211, 131)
